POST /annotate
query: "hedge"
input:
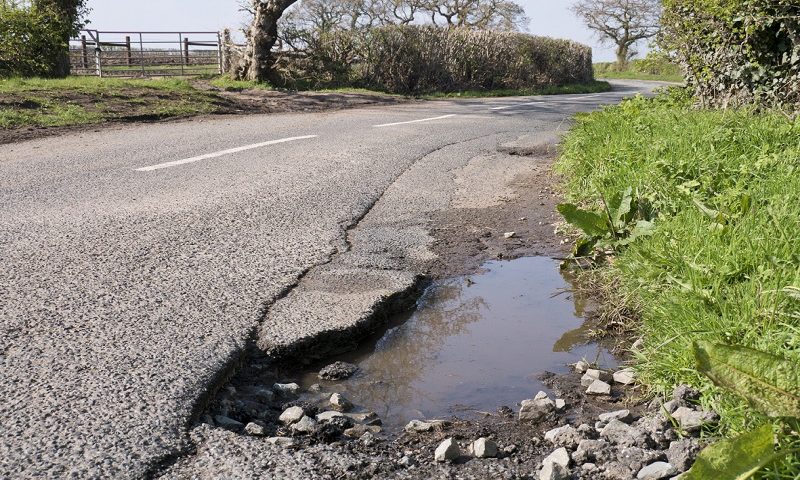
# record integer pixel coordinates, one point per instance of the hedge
(31, 40)
(423, 59)
(737, 52)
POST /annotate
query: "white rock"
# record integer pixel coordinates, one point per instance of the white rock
(541, 396)
(581, 366)
(691, 420)
(340, 403)
(536, 410)
(626, 376)
(596, 374)
(560, 404)
(304, 425)
(417, 426)
(286, 388)
(255, 429)
(447, 450)
(551, 435)
(559, 457)
(291, 415)
(364, 417)
(483, 448)
(621, 415)
(553, 471)
(328, 415)
(359, 430)
(281, 441)
(509, 234)
(656, 471)
(599, 387)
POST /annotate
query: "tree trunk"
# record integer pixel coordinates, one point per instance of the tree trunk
(622, 57)
(258, 62)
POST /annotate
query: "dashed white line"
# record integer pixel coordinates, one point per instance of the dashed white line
(220, 153)
(414, 121)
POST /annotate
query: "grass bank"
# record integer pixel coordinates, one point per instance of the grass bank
(641, 69)
(723, 263)
(85, 100)
(577, 88)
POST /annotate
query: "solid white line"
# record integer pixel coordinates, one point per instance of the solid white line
(504, 107)
(220, 153)
(414, 121)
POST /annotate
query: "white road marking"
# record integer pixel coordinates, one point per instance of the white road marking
(414, 121)
(505, 107)
(220, 153)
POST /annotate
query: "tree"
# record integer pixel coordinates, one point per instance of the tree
(483, 14)
(623, 23)
(258, 61)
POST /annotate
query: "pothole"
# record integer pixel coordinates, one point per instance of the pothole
(473, 344)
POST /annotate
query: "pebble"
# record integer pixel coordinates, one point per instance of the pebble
(508, 235)
(656, 471)
(407, 461)
(340, 403)
(599, 387)
(561, 404)
(281, 441)
(304, 425)
(621, 415)
(483, 448)
(370, 418)
(328, 415)
(338, 371)
(447, 451)
(255, 429)
(286, 388)
(626, 376)
(291, 415)
(692, 420)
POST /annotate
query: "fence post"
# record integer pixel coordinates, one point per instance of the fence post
(141, 53)
(84, 53)
(219, 53)
(128, 50)
(186, 49)
(98, 60)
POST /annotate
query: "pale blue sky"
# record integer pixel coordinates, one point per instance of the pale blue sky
(548, 17)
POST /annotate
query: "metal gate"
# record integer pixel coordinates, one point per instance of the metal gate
(145, 54)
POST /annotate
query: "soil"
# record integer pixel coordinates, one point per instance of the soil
(136, 105)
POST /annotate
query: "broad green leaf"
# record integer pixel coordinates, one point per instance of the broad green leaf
(771, 384)
(735, 459)
(583, 247)
(620, 206)
(591, 223)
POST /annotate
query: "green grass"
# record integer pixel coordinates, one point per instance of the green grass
(594, 87)
(86, 100)
(698, 277)
(654, 69)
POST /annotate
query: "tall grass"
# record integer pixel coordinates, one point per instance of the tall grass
(725, 260)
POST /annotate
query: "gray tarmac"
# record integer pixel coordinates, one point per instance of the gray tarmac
(126, 296)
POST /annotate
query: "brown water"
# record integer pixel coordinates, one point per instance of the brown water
(473, 344)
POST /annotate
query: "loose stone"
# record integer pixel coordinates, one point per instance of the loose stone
(597, 374)
(340, 403)
(291, 415)
(508, 235)
(559, 457)
(619, 433)
(621, 415)
(553, 471)
(581, 366)
(447, 451)
(304, 425)
(691, 420)
(566, 436)
(541, 396)
(357, 431)
(255, 429)
(281, 441)
(682, 453)
(483, 448)
(599, 387)
(338, 371)
(656, 471)
(327, 416)
(536, 410)
(561, 404)
(626, 376)
(286, 389)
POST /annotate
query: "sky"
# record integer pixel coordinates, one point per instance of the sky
(548, 17)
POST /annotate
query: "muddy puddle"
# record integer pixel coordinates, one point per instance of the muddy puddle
(473, 344)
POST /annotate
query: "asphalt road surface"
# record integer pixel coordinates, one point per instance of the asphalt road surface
(137, 262)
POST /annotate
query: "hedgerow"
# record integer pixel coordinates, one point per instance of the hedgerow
(737, 52)
(417, 60)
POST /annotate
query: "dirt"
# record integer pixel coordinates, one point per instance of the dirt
(136, 105)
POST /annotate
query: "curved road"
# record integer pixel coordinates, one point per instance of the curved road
(137, 262)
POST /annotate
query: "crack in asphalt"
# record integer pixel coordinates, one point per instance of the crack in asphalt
(234, 364)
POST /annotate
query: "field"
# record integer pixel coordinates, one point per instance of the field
(722, 264)
(655, 69)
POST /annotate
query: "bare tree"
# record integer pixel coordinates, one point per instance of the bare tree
(258, 62)
(483, 14)
(623, 23)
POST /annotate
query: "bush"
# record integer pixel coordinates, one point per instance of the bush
(737, 51)
(31, 40)
(417, 60)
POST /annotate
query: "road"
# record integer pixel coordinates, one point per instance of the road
(137, 262)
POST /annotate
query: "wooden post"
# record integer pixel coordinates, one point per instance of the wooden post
(84, 53)
(186, 50)
(128, 50)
